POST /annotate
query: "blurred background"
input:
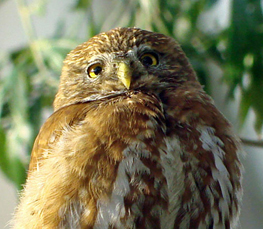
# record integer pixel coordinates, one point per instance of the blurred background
(222, 38)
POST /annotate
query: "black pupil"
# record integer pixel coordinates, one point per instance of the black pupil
(147, 61)
(97, 70)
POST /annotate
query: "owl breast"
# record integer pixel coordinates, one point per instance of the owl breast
(154, 185)
(132, 168)
(139, 196)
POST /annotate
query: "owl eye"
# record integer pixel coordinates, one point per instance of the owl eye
(149, 59)
(94, 70)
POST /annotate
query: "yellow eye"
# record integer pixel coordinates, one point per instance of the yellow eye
(149, 59)
(94, 70)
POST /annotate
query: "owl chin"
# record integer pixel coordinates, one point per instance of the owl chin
(113, 95)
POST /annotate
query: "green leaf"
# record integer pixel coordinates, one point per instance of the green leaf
(82, 5)
(12, 167)
(4, 162)
(245, 105)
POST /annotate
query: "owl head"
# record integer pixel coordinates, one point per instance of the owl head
(121, 61)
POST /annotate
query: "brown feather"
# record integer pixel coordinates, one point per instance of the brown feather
(156, 155)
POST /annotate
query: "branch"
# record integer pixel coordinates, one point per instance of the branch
(255, 143)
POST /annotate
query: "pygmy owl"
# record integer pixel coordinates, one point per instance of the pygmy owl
(134, 142)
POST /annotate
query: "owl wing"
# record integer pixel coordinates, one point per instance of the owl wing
(52, 129)
(209, 153)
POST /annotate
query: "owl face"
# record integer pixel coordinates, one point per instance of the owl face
(121, 61)
(122, 71)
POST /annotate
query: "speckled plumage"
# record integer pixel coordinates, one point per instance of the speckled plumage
(155, 154)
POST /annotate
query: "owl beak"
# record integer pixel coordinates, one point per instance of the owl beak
(124, 74)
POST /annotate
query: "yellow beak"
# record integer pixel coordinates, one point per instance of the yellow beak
(124, 74)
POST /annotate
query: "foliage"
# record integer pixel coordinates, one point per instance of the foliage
(30, 74)
(244, 55)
